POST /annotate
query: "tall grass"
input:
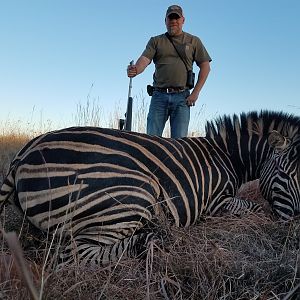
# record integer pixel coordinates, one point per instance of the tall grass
(91, 113)
(221, 258)
(224, 258)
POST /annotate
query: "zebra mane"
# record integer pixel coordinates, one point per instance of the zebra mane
(253, 122)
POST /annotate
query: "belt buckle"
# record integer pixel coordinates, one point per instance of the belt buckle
(169, 90)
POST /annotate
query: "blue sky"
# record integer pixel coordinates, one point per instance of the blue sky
(55, 54)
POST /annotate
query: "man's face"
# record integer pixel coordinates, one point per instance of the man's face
(174, 24)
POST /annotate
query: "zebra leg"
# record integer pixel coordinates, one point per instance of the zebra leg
(238, 206)
(88, 252)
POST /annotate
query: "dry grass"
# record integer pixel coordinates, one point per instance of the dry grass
(9, 146)
(224, 258)
(219, 258)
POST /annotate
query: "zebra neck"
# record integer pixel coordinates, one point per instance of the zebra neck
(244, 154)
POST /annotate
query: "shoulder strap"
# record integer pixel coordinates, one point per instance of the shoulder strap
(171, 41)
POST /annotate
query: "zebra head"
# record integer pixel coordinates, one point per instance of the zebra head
(280, 175)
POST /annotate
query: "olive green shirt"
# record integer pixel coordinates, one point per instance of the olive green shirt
(170, 71)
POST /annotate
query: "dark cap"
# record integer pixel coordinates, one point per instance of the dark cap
(174, 9)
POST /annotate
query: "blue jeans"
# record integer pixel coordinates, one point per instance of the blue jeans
(173, 106)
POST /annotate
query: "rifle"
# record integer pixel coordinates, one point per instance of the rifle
(125, 124)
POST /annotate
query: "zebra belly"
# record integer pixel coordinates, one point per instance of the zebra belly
(78, 200)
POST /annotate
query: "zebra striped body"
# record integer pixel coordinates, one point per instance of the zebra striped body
(100, 187)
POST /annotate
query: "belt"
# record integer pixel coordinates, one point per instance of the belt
(170, 90)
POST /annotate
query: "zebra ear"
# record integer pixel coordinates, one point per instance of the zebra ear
(277, 140)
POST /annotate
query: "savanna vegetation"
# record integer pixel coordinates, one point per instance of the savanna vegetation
(225, 257)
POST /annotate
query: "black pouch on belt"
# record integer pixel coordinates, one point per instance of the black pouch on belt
(150, 89)
(190, 82)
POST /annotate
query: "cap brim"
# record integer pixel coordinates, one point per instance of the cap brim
(174, 13)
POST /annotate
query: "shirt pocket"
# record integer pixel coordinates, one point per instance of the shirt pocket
(189, 51)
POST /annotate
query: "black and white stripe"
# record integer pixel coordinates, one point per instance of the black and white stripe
(280, 177)
(101, 187)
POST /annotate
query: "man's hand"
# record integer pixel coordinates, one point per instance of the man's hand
(131, 71)
(139, 67)
(191, 99)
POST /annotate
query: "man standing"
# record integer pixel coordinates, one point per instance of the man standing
(173, 54)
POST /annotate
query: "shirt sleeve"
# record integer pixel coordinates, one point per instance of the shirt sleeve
(150, 50)
(201, 54)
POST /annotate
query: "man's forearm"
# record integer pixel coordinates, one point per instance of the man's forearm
(139, 67)
(203, 74)
(141, 64)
